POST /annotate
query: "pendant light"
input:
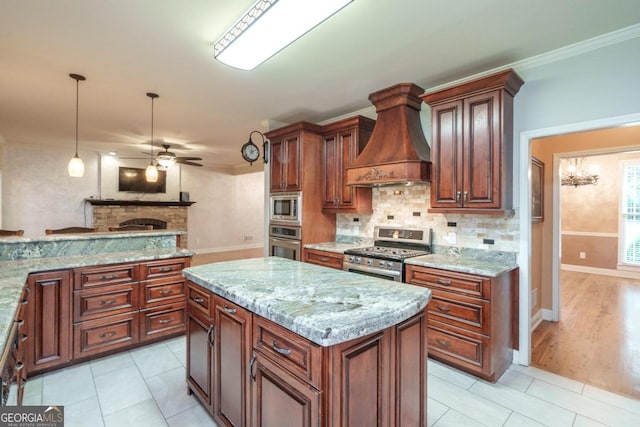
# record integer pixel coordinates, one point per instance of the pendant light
(76, 165)
(151, 173)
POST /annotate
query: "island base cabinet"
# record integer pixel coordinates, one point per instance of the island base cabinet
(199, 356)
(48, 320)
(281, 399)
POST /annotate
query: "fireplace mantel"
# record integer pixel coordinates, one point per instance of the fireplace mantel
(114, 202)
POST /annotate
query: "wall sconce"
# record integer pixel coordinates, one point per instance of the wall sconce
(251, 152)
(576, 176)
(268, 27)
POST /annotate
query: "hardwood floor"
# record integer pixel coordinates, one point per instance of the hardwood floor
(597, 340)
(199, 259)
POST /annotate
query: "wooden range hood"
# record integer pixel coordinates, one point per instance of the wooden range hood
(397, 152)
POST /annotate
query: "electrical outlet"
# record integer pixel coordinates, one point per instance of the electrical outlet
(248, 238)
(583, 255)
(452, 237)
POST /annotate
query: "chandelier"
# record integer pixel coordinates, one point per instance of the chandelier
(575, 175)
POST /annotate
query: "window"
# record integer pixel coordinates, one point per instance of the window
(629, 235)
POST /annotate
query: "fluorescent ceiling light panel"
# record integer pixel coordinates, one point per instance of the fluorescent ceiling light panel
(268, 27)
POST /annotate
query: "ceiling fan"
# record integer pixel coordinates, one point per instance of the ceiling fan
(166, 158)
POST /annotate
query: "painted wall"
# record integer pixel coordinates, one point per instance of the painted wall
(37, 193)
(600, 204)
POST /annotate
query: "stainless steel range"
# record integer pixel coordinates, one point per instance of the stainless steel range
(392, 246)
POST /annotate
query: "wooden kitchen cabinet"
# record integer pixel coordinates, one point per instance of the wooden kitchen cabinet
(323, 258)
(218, 351)
(342, 143)
(285, 163)
(470, 319)
(48, 319)
(472, 145)
(232, 350)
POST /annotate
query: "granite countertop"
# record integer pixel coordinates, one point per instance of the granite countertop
(324, 305)
(89, 236)
(13, 274)
(335, 247)
(472, 261)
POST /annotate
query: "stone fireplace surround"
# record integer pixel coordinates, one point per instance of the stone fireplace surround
(113, 214)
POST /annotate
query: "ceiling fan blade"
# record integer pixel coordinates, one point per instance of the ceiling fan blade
(133, 158)
(188, 158)
(186, 162)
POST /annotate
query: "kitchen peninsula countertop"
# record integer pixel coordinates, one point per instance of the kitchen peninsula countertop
(21, 256)
(324, 305)
(341, 244)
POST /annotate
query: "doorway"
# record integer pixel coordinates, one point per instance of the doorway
(584, 328)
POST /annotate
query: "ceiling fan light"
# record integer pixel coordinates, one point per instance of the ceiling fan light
(268, 27)
(76, 167)
(165, 161)
(151, 173)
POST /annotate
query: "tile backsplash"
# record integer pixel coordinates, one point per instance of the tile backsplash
(407, 207)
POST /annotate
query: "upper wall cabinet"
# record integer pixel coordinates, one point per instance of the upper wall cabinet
(472, 145)
(287, 156)
(342, 143)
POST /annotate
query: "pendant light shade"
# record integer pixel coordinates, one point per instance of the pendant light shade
(151, 173)
(76, 165)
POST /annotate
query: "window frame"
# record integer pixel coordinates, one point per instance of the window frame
(622, 264)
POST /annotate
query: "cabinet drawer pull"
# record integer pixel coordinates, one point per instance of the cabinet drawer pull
(443, 343)
(107, 334)
(109, 277)
(163, 321)
(107, 302)
(283, 351)
(19, 366)
(26, 297)
(20, 322)
(443, 308)
(464, 197)
(229, 309)
(166, 291)
(324, 259)
(251, 364)
(457, 197)
(443, 282)
(165, 269)
(198, 300)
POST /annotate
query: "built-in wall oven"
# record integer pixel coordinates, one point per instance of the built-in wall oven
(285, 241)
(386, 259)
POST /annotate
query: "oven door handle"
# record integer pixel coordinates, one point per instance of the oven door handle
(287, 241)
(347, 265)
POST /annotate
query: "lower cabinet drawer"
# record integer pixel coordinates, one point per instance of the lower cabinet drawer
(457, 310)
(165, 320)
(162, 291)
(97, 336)
(326, 259)
(461, 348)
(106, 301)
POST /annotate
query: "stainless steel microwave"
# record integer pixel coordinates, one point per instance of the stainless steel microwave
(286, 208)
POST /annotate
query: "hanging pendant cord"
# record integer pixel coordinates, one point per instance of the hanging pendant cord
(151, 161)
(77, 89)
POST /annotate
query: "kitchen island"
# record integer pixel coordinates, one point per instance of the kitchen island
(278, 342)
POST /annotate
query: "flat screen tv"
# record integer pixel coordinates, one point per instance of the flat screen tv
(133, 180)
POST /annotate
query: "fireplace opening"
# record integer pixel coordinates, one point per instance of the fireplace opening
(157, 224)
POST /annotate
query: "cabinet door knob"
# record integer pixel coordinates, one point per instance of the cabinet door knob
(464, 197)
(457, 197)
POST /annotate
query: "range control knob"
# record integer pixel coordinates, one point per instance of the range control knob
(358, 259)
(390, 264)
(369, 262)
(381, 263)
(352, 258)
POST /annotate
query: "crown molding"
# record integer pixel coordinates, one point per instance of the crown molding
(579, 48)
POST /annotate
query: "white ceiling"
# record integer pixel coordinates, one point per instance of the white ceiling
(126, 48)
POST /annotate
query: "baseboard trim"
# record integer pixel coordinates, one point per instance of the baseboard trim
(600, 271)
(536, 319)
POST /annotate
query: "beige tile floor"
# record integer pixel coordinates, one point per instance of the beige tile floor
(146, 387)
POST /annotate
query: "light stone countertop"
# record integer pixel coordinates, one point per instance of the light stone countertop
(480, 262)
(13, 274)
(335, 247)
(324, 305)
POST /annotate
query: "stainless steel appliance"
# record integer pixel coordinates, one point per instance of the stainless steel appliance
(286, 208)
(386, 259)
(285, 241)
